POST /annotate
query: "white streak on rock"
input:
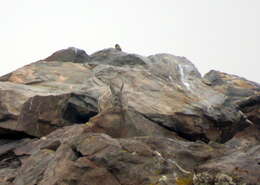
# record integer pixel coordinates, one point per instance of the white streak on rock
(172, 161)
(163, 178)
(76, 50)
(30, 106)
(179, 167)
(170, 78)
(183, 78)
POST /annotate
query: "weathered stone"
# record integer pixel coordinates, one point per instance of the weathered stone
(70, 54)
(124, 119)
(243, 93)
(242, 164)
(115, 57)
(72, 155)
(234, 87)
(165, 89)
(126, 123)
(251, 108)
(31, 171)
(41, 115)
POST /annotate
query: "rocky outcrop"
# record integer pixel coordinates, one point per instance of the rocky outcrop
(116, 57)
(234, 87)
(70, 54)
(243, 93)
(119, 118)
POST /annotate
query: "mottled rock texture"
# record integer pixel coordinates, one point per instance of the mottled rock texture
(116, 118)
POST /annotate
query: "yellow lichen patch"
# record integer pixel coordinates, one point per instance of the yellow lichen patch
(186, 180)
(90, 124)
(49, 151)
(243, 84)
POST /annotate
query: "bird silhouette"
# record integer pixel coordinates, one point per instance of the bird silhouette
(117, 47)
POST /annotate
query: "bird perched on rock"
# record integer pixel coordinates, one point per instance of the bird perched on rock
(117, 47)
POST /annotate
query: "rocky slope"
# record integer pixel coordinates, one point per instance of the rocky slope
(116, 118)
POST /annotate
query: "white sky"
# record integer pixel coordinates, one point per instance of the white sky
(213, 34)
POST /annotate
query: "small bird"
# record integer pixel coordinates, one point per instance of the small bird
(117, 47)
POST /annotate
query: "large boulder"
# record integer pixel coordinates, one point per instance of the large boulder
(234, 87)
(37, 101)
(241, 92)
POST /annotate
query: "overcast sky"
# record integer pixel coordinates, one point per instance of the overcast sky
(213, 34)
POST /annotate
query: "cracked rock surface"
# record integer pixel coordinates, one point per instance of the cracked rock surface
(125, 119)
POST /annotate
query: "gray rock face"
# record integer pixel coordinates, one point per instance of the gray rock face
(242, 93)
(119, 118)
(235, 87)
(116, 57)
(70, 54)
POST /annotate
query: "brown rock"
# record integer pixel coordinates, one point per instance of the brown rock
(148, 121)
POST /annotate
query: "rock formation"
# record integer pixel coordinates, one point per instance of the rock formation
(116, 118)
